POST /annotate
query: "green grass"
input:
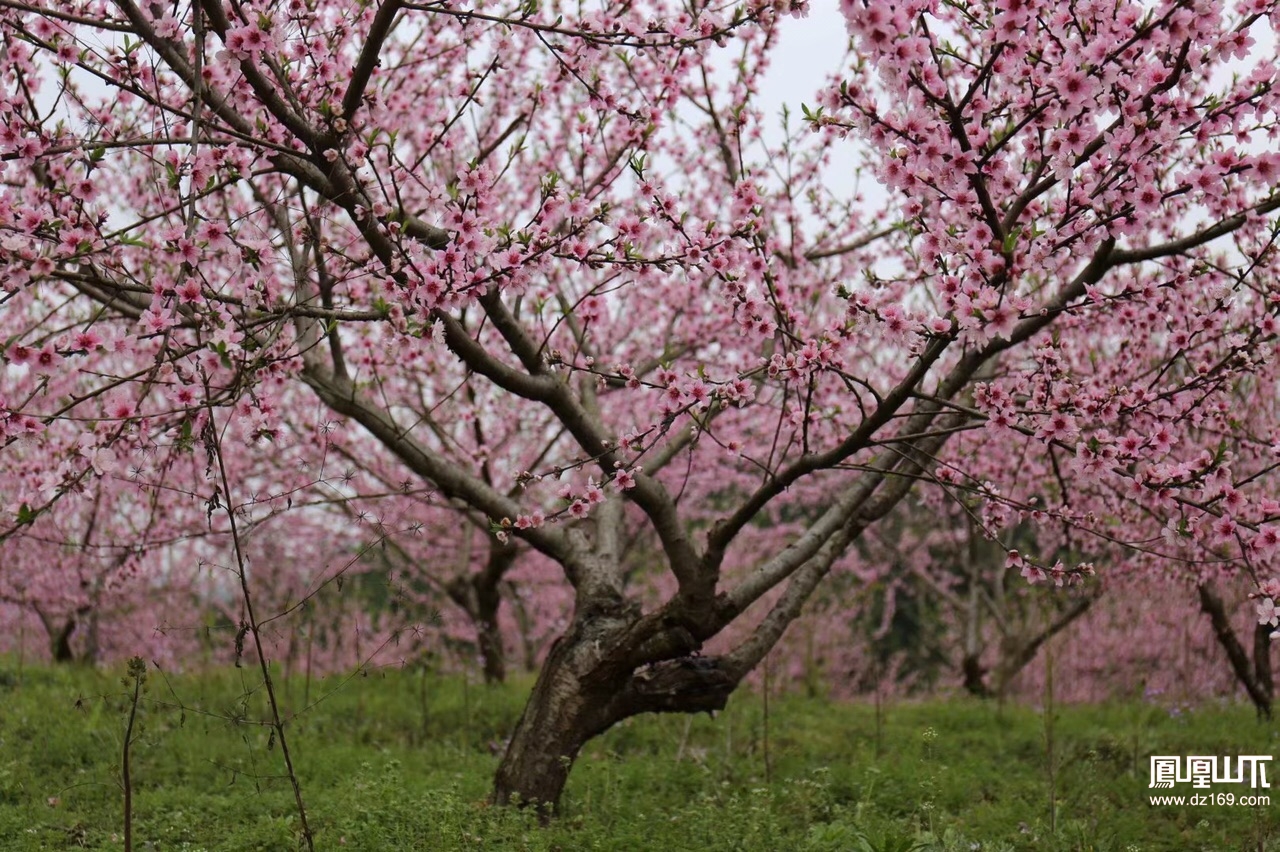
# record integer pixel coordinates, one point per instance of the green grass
(403, 761)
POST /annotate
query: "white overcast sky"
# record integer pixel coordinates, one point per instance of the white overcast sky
(810, 49)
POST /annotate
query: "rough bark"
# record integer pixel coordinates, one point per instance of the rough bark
(614, 663)
(564, 711)
(585, 687)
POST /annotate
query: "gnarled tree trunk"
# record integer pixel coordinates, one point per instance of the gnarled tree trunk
(586, 685)
(567, 708)
(615, 662)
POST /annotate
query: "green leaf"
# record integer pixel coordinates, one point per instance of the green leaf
(1011, 240)
(186, 436)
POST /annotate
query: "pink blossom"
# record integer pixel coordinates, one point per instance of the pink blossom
(184, 396)
(1266, 540)
(19, 354)
(1224, 527)
(189, 291)
(246, 42)
(46, 359)
(1268, 613)
(532, 520)
(87, 340)
(155, 320)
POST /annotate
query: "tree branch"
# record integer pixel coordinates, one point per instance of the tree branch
(370, 57)
(342, 397)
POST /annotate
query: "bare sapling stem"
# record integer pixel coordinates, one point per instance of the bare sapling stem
(251, 621)
(137, 673)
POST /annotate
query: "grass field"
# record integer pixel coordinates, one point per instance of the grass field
(402, 761)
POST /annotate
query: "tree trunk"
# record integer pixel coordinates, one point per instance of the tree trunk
(1255, 678)
(493, 660)
(524, 626)
(480, 596)
(60, 644)
(978, 556)
(562, 714)
(586, 686)
(1262, 658)
(480, 602)
(974, 676)
(59, 634)
(1016, 653)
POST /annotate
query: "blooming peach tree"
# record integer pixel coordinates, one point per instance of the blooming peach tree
(548, 259)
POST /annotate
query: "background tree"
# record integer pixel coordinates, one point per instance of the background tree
(948, 605)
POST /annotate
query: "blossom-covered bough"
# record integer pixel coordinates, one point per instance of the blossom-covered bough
(548, 263)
